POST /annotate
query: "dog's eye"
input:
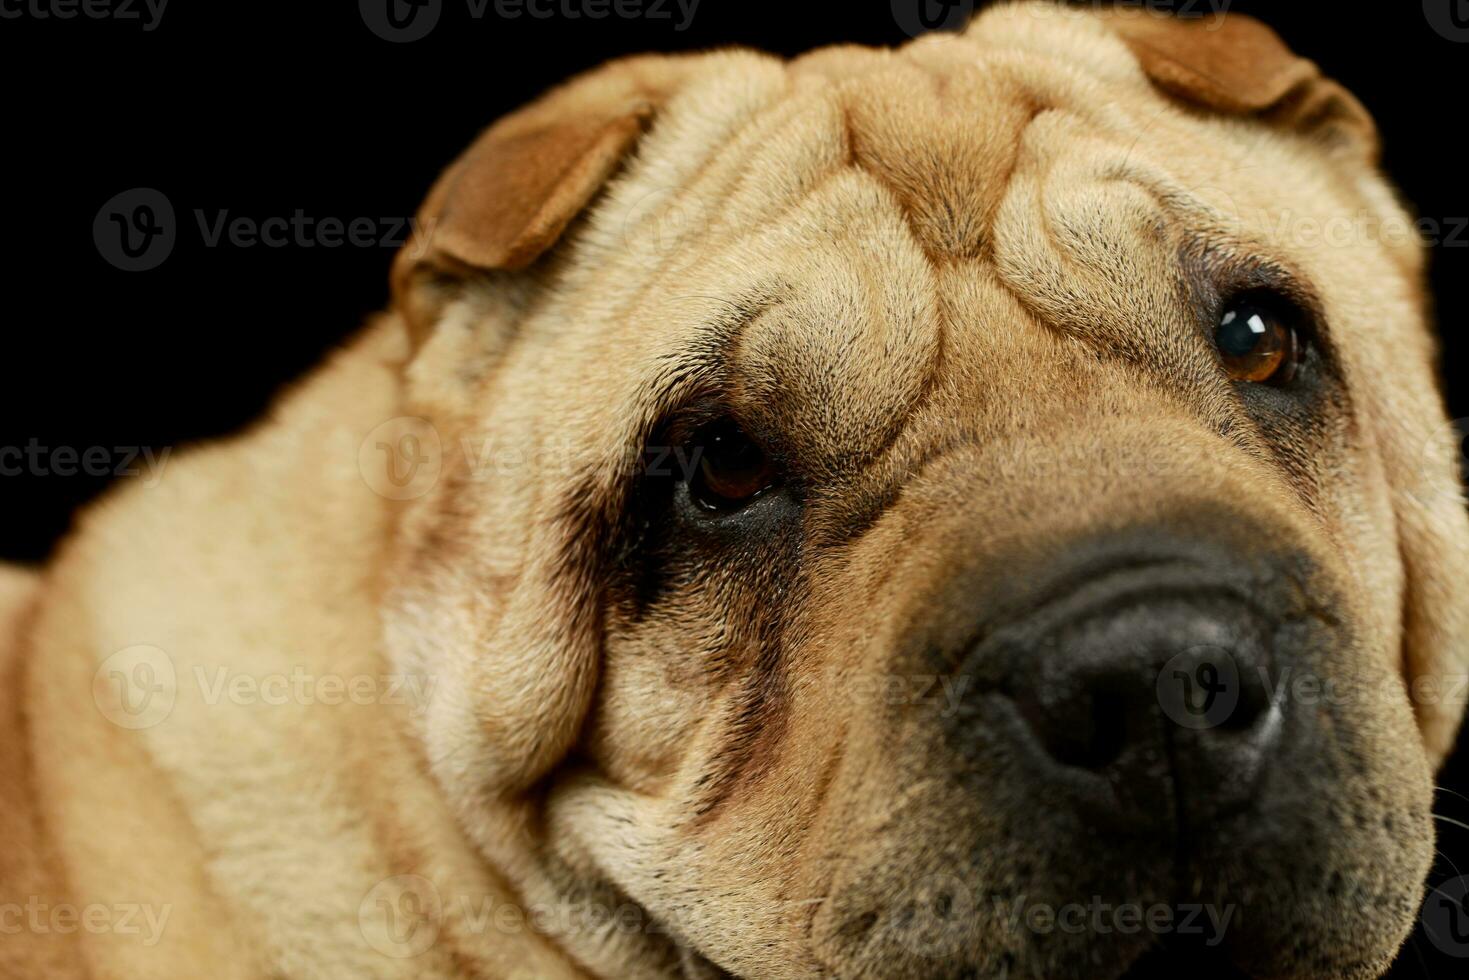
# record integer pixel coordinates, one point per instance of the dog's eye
(1257, 342)
(732, 469)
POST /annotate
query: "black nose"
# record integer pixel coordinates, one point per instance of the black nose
(1148, 692)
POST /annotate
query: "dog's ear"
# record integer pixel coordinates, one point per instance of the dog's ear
(1433, 538)
(1423, 456)
(1234, 64)
(509, 197)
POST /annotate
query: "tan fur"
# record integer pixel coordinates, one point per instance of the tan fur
(951, 269)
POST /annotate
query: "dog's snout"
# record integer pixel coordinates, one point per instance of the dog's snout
(1146, 695)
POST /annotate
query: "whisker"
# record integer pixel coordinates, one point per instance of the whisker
(1449, 861)
(1445, 789)
(1450, 820)
(1418, 954)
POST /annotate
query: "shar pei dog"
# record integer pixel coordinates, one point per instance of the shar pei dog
(925, 513)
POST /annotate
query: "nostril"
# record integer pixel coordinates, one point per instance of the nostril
(1087, 732)
(1108, 734)
(1247, 713)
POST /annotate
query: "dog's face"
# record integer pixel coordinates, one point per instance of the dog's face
(985, 509)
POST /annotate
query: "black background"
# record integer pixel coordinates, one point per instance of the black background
(263, 109)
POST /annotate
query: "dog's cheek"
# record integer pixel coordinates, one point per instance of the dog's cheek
(653, 692)
(1422, 570)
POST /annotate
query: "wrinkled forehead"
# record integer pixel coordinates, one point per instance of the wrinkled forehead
(1053, 110)
(821, 243)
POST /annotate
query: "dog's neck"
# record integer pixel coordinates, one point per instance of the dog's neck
(280, 817)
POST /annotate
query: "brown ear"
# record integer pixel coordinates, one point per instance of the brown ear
(509, 197)
(1235, 64)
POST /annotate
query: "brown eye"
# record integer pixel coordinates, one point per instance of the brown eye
(732, 471)
(1257, 344)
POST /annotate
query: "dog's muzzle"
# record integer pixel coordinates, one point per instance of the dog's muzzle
(1162, 745)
